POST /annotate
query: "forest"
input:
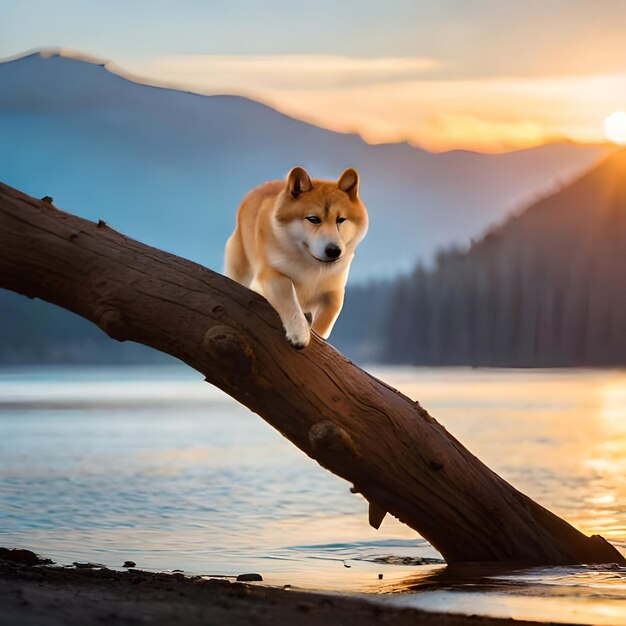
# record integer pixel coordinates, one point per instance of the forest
(545, 289)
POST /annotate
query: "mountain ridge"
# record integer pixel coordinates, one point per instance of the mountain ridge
(117, 70)
(543, 289)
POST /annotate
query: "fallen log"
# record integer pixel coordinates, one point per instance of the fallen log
(393, 452)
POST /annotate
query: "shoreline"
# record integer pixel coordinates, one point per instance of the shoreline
(36, 592)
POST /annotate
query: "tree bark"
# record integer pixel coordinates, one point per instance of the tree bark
(395, 454)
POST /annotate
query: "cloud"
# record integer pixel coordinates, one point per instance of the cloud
(235, 73)
(405, 99)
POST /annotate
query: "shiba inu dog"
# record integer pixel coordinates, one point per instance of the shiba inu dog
(294, 243)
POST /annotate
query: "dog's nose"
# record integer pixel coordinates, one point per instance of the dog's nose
(332, 251)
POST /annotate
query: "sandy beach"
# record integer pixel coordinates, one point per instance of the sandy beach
(36, 593)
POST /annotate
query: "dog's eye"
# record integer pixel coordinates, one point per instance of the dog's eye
(341, 220)
(314, 219)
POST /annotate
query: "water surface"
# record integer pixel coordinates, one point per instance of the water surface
(153, 465)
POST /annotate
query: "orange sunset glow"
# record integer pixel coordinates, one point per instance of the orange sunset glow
(404, 99)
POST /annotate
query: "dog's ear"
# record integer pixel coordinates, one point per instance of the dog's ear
(298, 181)
(349, 182)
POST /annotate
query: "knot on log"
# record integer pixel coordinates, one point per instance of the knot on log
(436, 462)
(328, 439)
(112, 323)
(233, 351)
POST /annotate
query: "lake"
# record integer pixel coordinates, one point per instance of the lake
(151, 464)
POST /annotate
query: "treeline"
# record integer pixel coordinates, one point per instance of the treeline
(502, 312)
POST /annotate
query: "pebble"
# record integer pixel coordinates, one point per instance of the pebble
(247, 578)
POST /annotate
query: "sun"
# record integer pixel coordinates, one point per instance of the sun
(615, 127)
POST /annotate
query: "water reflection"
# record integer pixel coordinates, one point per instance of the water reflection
(582, 595)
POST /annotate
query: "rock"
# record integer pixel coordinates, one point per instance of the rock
(19, 555)
(79, 565)
(248, 578)
(129, 564)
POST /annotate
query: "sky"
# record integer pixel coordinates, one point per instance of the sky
(490, 75)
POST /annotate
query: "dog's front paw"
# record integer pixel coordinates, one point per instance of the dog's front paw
(298, 332)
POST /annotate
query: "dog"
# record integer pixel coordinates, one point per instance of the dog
(294, 243)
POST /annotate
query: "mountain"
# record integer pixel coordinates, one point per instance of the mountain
(170, 168)
(547, 288)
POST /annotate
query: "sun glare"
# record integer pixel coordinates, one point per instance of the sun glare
(615, 127)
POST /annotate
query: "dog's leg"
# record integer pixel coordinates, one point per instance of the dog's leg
(281, 294)
(236, 264)
(328, 312)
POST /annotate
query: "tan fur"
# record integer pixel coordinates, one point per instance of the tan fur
(276, 251)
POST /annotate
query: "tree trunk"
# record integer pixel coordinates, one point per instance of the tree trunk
(359, 428)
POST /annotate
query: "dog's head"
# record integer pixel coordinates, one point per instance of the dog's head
(325, 219)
